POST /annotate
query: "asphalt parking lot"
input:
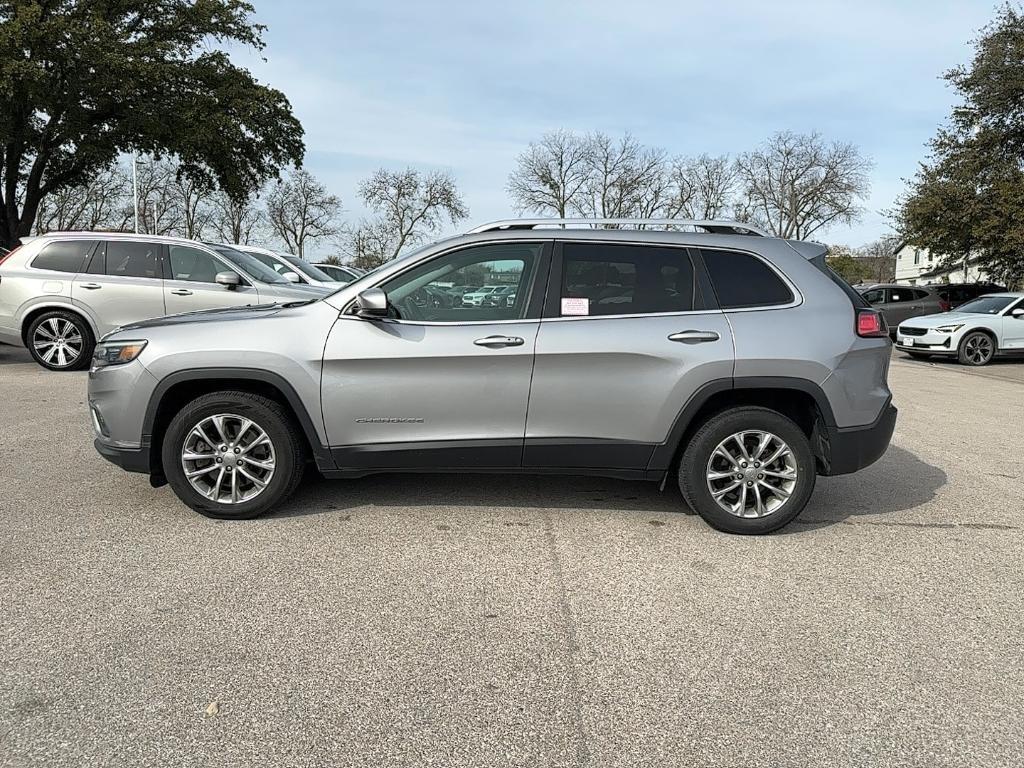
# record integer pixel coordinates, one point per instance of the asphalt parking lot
(493, 621)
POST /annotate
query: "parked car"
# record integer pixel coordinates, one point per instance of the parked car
(476, 298)
(952, 295)
(62, 291)
(740, 364)
(340, 273)
(499, 296)
(292, 268)
(975, 333)
(901, 302)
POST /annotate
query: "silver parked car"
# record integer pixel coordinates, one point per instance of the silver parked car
(62, 291)
(341, 273)
(736, 362)
(292, 268)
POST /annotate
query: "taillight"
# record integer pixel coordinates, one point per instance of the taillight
(5, 256)
(871, 324)
(944, 305)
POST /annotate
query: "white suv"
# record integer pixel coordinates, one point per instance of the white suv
(61, 292)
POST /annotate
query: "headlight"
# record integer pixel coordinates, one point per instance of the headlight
(117, 352)
(949, 328)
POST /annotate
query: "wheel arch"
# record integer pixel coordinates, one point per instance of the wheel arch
(36, 310)
(801, 400)
(177, 389)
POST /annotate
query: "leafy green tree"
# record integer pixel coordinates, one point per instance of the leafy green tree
(83, 81)
(852, 269)
(968, 198)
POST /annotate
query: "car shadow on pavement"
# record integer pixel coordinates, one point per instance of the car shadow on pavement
(10, 355)
(899, 481)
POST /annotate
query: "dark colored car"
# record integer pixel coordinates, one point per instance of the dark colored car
(953, 295)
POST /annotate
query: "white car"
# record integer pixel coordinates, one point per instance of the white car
(476, 298)
(292, 268)
(974, 333)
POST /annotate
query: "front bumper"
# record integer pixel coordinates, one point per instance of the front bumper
(932, 343)
(845, 450)
(128, 459)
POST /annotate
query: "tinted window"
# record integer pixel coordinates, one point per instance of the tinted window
(447, 289)
(252, 267)
(920, 294)
(875, 296)
(133, 259)
(603, 279)
(194, 265)
(742, 280)
(900, 294)
(987, 305)
(303, 267)
(64, 256)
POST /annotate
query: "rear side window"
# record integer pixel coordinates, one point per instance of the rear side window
(64, 255)
(133, 259)
(742, 280)
(605, 279)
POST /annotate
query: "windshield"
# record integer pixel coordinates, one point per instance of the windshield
(986, 305)
(250, 265)
(308, 269)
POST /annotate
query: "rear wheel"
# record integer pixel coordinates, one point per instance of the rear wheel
(748, 470)
(233, 455)
(60, 341)
(977, 348)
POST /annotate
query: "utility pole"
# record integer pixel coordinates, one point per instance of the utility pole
(135, 188)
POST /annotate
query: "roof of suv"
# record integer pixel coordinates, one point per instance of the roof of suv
(94, 235)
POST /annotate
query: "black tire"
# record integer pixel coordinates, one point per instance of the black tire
(44, 326)
(972, 349)
(693, 469)
(288, 448)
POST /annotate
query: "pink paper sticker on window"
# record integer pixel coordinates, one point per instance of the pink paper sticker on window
(575, 306)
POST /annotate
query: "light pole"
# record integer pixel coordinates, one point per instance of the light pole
(135, 188)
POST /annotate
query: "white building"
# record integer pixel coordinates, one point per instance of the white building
(915, 266)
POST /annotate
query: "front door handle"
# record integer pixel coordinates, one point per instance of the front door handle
(90, 286)
(499, 341)
(694, 337)
(181, 292)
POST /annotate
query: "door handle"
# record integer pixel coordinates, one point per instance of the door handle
(499, 341)
(181, 292)
(694, 337)
(90, 286)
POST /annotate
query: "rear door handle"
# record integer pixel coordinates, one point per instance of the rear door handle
(90, 286)
(694, 337)
(499, 341)
(181, 292)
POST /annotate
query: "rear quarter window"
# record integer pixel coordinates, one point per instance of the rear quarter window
(64, 256)
(741, 280)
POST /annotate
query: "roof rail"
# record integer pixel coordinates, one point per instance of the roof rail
(716, 227)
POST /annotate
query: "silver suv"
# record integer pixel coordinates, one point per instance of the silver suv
(736, 362)
(62, 291)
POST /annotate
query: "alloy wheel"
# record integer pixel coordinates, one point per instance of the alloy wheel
(752, 473)
(58, 342)
(978, 348)
(228, 458)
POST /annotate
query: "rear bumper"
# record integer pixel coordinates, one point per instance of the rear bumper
(846, 450)
(128, 459)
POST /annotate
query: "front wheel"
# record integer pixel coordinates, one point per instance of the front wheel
(748, 470)
(977, 348)
(60, 341)
(233, 455)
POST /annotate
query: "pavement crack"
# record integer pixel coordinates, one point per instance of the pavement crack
(572, 646)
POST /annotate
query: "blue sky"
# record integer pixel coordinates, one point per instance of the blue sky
(465, 86)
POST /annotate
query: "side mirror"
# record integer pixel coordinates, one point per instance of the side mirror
(292, 277)
(1017, 313)
(372, 304)
(229, 280)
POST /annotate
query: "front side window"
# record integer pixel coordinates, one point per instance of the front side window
(612, 279)
(744, 281)
(64, 255)
(126, 258)
(193, 264)
(437, 291)
(251, 266)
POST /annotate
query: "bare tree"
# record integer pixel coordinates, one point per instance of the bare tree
(624, 178)
(102, 203)
(797, 184)
(706, 186)
(551, 174)
(410, 206)
(159, 205)
(301, 210)
(235, 220)
(193, 204)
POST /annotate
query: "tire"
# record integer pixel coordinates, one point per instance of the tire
(237, 470)
(57, 336)
(781, 498)
(976, 348)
